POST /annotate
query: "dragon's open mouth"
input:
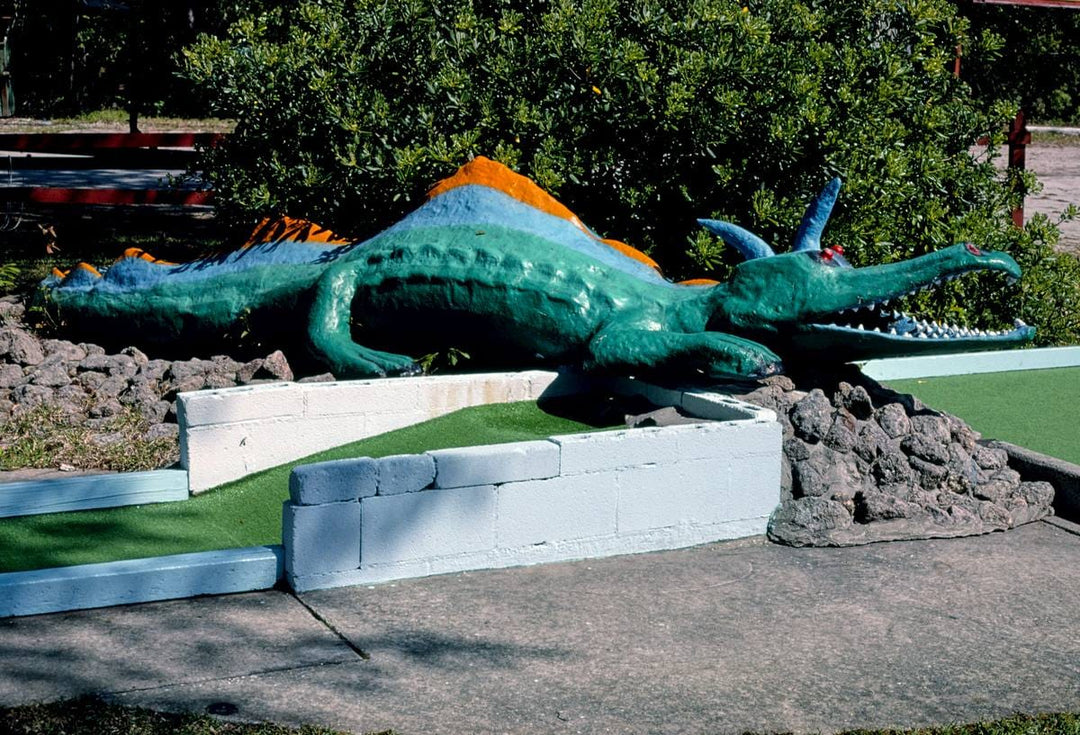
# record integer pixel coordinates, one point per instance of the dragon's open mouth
(898, 325)
(875, 318)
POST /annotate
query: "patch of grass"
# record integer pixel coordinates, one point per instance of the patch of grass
(1066, 723)
(1032, 408)
(114, 121)
(47, 436)
(1054, 140)
(90, 716)
(246, 512)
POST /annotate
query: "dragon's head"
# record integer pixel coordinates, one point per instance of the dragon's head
(811, 301)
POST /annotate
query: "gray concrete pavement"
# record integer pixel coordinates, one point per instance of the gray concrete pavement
(722, 638)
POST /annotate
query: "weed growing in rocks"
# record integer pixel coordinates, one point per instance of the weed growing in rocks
(49, 436)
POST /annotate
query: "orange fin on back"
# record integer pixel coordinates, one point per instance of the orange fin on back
(143, 255)
(293, 230)
(485, 172)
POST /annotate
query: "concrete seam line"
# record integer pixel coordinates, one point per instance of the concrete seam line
(229, 677)
(330, 626)
(1064, 525)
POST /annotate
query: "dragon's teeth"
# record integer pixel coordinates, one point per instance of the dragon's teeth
(892, 330)
(877, 330)
(861, 328)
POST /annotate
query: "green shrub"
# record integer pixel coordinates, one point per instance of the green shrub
(641, 115)
(9, 276)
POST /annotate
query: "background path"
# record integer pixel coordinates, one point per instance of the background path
(1058, 168)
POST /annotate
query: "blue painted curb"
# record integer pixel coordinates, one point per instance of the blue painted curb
(140, 580)
(85, 492)
(932, 366)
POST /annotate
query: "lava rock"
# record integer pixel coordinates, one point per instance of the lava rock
(62, 348)
(19, 347)
(275, 366)
(11, 375)
(812, 416)
(808, 521)
(893, 420)
(896, 468)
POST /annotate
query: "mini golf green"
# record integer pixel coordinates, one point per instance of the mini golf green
(1033, 408)
(247, 512)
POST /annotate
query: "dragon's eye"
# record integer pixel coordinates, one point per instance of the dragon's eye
(972, 249)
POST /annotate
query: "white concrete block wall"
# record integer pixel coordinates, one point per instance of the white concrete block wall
(229, 433)
(536, 460)
(557, 509)
(421, 525)
(568, 497)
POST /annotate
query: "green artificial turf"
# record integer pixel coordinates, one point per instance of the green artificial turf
(1033, 408)
(247, 512)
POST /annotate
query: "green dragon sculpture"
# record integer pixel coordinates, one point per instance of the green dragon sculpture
(494, 265)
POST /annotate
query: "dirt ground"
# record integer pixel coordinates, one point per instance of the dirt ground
(1058, 167)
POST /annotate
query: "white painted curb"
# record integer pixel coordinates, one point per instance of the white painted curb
(139, 580)
(87, 492)
(931, 366)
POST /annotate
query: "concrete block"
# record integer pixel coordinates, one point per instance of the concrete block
(386, 395)
(217, 454)
(332, 414)
(443, 395)
(320, 539)
(84, 492)
(243, 403)
(139, 580)
(558, 509)
(405, 473)
(602, 451)
(672, 537)
(746, 438)
(718, 407)
(754, 486)
(495, 463)
(688, 493)
(334, 482)
(432, 523)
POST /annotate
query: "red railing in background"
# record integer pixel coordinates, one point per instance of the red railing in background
(79, 151)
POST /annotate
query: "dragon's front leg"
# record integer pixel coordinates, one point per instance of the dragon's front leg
(330, 334)
(650, 352)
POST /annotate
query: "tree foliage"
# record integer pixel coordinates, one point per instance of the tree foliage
(74, 56)
(1039, 61)
(641, 115)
